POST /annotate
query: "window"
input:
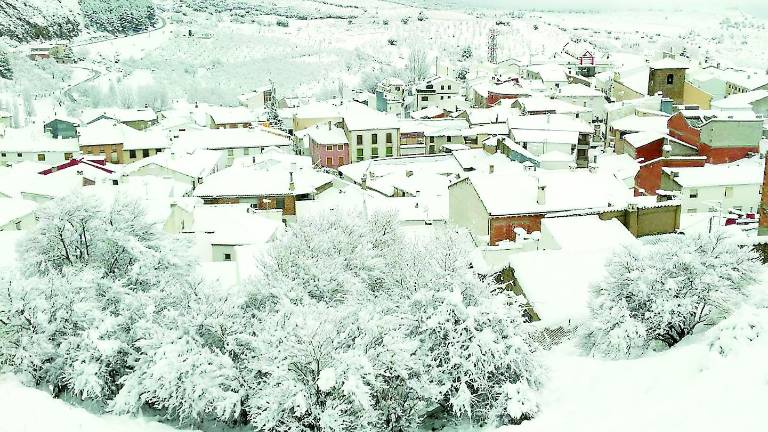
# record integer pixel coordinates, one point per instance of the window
(374, 152)
(341, 160)
(18, 155)
(449, 139)
(693, 193)
(449, 86)
(114, 182)
(132, 154)
(145, 153)
(691, 210)
(227, 257)
(431, 139)
(2, 154)
(430, 87)
(424, 98)
(246, 151)
(359, 140)
(67, 156)
(230, 152)
(339, 147)
(374, 139)
(41, 157)
(360, 154)
(431, 149)
(389, 137)
(728, 191)
(389, 151)
(442, 87)
(442, 97)
(328, 161)
(670, 79)
(329, 148)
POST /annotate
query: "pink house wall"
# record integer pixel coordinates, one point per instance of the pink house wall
(339, 155)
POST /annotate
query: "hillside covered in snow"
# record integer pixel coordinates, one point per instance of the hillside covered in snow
(26, 20)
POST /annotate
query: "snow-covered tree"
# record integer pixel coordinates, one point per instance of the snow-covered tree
(417, 68)
(119, 16)
(663, 290)
(90, 273)
(406, 327)
(273, 114)
(6, 72)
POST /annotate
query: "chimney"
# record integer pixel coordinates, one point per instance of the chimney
(666, 151)
(541, 194)
(291, 184)
(408, 173)
(763, 229)
(146, 106)
(329, 125)
(364, 182)
(490, 169)
(418, 195)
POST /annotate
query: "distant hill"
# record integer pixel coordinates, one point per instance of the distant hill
(27, 20)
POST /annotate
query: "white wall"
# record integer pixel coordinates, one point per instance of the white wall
(746, 197)
(368, 143)
(24, 223)
(466, 210)
(53, 158)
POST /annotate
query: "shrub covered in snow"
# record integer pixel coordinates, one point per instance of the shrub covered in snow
(662, 291)
(350, 327)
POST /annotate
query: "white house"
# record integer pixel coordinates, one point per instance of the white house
(16, 214)
(191, 168)
(588, 97)
(31, 144)
(256, 100)
(755, 101)
(371, 134)
(552, 75)
(232, 143)
(718, 188)
(438, 91)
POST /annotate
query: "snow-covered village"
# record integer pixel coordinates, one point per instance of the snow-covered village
(383, 215)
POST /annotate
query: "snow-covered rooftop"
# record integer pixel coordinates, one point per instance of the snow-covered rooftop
(544, 136)
(233, 224)
(635, 123)
(217, 139)
(552, 122)
(239, 181)
(198, 163)
(744, 172)
(360, 117)
(510, 192)
(231, 115)
(326, 134)
(33, 139)
(640, 139)
(740, 100)
(15, 208)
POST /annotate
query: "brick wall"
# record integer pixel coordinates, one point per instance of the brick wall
(679, 128)
(648, 179)
(725, 154)
(503, 227)
(764, 204)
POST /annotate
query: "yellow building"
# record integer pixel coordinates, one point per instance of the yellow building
(693, 95)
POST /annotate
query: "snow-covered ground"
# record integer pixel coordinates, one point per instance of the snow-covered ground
(24, 409)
